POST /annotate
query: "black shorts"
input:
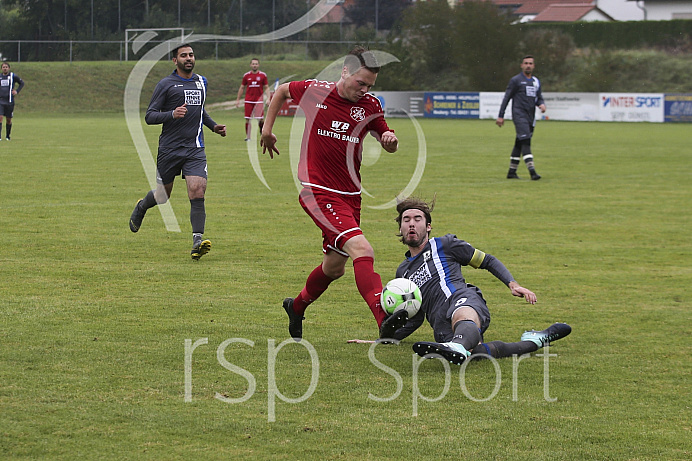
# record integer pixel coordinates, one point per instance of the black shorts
(441, 319)
(190, 161)
(6, 109)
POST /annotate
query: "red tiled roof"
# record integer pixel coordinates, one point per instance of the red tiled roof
(337, 14)
(537, 6)
(564, 12)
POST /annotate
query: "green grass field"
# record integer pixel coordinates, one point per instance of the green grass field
(94, 319)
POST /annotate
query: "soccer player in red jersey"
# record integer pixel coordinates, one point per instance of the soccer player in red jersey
(254, 83)
(338, 116)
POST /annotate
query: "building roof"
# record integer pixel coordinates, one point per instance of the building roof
(570, 12)
(338, 13)
(538, 6)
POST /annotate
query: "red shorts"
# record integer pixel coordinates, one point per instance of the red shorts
(337, 215)
(254, 110)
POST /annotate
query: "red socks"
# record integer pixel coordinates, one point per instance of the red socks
(369, 285)
(316, 284)
(368, 282)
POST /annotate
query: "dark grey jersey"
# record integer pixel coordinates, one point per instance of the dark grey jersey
(525, 94)
(174, 91)
(437, 272)
(7, 83)
(437, 269)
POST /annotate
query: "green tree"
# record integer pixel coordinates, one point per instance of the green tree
(383, 13)
(485, 46)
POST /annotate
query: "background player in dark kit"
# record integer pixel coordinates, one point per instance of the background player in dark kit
(456, 310)
(525, 92)
(7, 93)
(254, 83)
(178, 104)
(338, 116)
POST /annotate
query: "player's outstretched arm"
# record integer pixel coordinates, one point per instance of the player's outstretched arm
(268, 142)
(521, 292)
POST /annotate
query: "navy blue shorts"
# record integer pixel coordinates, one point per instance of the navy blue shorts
(523, 127)
(7, 109)
(441, 319)
(190, 161)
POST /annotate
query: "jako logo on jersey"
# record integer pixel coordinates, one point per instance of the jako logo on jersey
(631, 101)
(340, 127)
(459, 302)
(320, 106)
(358, 114)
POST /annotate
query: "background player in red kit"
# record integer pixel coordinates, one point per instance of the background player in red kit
(337, 118)
(254, 84)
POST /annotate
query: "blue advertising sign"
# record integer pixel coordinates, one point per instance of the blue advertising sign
(678, 108)
(452, 105)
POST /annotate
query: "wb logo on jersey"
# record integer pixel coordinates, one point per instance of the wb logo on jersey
(193, 97)
(340, 127)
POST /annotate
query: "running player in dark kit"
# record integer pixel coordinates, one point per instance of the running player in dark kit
(525, 92)
(178, 104)
(455, 309)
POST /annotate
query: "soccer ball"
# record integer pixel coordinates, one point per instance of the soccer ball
(400, 294)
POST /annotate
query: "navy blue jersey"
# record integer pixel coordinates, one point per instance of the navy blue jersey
(525, 94)
(174, 91)
(7, 83)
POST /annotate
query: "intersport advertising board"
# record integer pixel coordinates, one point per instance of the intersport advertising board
(630, 107)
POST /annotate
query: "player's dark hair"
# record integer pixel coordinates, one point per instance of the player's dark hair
(174, 51)
(6, 62)
(528, 56)
(360, 57)
(415, 203)
(255, 59)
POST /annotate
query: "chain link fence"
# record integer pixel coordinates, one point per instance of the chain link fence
(88, 50)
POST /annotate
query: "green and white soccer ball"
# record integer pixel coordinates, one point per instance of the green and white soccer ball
(400, 294)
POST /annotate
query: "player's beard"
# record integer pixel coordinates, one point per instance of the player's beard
(415, 240)
(186, 66)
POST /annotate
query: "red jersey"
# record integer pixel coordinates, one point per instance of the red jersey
(330, 153)
(254, 85)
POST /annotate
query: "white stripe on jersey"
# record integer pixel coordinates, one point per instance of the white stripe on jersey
(440, 269)
(198, 139)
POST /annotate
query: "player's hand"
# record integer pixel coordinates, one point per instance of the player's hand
(500, 121)
(542, 108)
(521, 292)
(220, 129)
(179, 112)
(268, 143)
(389, 142)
